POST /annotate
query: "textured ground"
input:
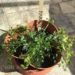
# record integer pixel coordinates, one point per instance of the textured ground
(13, 12)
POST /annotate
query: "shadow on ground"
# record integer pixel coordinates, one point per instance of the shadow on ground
(5, 65)
(62, 20)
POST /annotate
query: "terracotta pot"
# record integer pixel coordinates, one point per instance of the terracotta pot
(8, 38)
(32, 70)
(33, 25)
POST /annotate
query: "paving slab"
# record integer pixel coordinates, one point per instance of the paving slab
(71, 16)
(72, 3)
(56, 1)
(66, 8)
(56, 70)
(66, 0)
(14, 19)
(8, 1)
(9, 10)
(22, 8)
(61, 14)
(1, 73)
(13, 73)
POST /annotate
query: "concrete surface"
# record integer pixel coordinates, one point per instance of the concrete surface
(13, 12)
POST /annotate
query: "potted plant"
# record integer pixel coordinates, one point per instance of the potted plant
(37, 47)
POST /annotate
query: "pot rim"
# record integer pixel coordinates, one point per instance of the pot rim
(34, 68)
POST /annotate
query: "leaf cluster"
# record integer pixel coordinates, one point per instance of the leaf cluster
(36, 45)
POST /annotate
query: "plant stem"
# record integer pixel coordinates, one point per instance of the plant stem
(16, 57)
(4, 30)
(46, 27)
(41, 4)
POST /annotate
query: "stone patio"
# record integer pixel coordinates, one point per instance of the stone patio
(14, 12)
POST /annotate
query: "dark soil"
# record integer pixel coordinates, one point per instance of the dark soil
(48, 61)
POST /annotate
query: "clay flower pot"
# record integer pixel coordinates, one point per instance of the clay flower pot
(8, 38)
(31, 69)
